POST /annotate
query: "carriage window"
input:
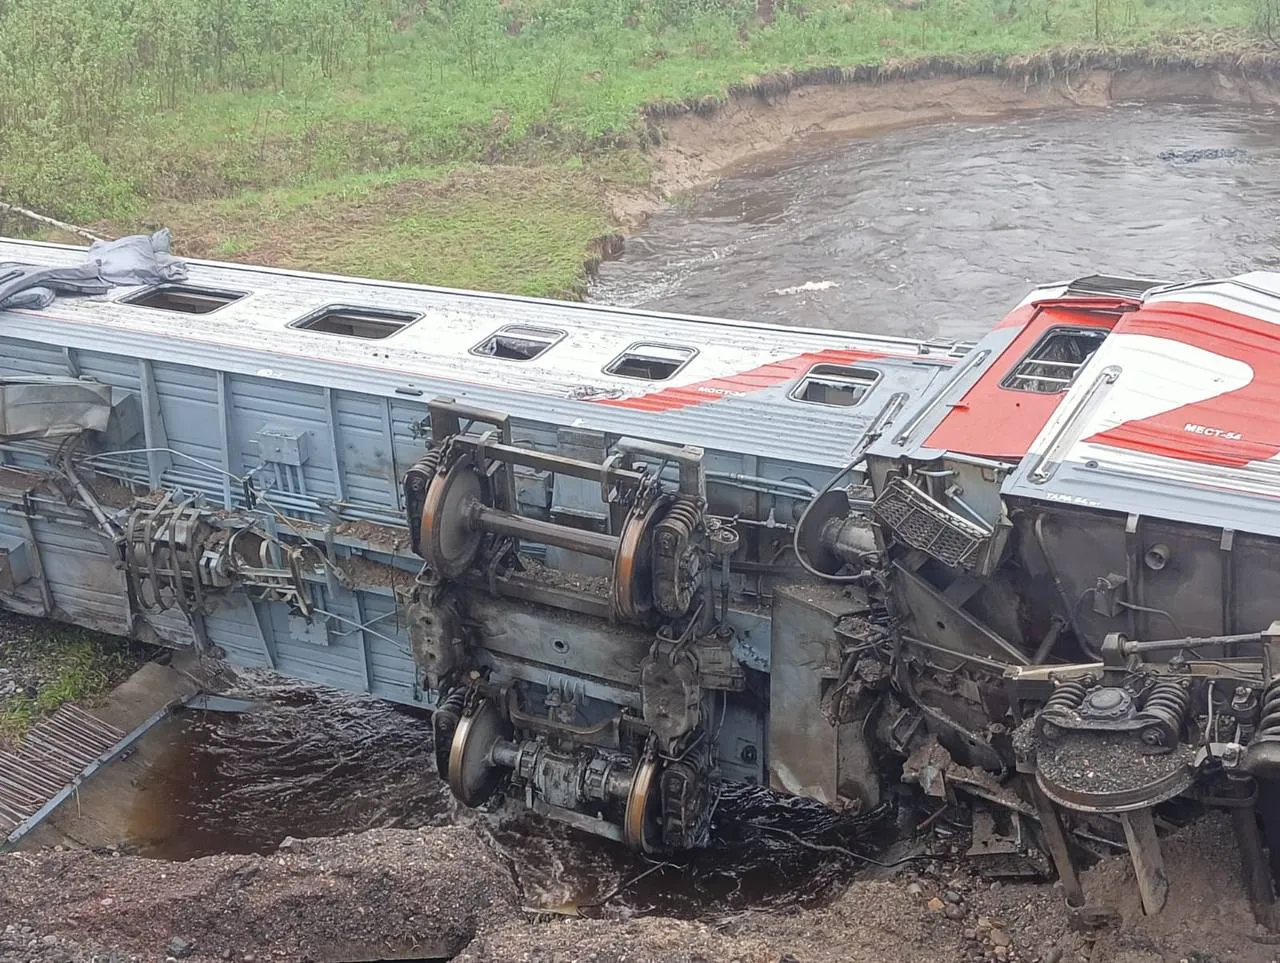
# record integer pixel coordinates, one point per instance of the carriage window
(650, 362)
(517, 342)
(835, 385)
(183, 298)
(1053, 362)
(372, 324)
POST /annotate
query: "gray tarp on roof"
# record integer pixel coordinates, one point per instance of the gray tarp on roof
(137, 259)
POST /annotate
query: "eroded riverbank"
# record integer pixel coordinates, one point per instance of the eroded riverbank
(521, 224)
(699, 141)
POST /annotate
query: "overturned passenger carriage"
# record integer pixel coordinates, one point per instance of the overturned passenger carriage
(626, 557)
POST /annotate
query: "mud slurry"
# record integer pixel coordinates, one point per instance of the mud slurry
(445, 893)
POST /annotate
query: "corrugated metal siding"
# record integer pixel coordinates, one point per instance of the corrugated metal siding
(365, 469)
(81, 569)
(233, 626)
(18, 357)
(189, 408)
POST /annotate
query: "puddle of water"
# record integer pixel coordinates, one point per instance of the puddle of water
(311, 762)
(941, 229)
(315, 762)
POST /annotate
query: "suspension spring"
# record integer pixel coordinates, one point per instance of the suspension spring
(684, 512)
(424, 470)
(674, 563)
(1168, 702)
(1269, 726)
(416, 481)
(1165, 709)
(443, 723)
(1069, 694)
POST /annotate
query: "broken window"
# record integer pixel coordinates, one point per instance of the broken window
(372, 324)
(650, 362)
(183, 298)
(837, 385)
(518, 342)
(1053, 362)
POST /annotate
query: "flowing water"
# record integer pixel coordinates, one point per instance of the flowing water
(922, 231)
(310, 761)
(938, 230)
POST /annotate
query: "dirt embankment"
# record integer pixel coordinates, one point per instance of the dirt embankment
(697, 141)
(442, 893)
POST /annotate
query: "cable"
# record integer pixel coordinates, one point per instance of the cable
(845, 851)
(263, 499)
(364, 628)
(1154, 611)
(867, 441)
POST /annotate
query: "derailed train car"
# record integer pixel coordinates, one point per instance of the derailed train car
(626, 557)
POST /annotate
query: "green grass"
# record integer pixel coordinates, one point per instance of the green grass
(555, 89)
(273, 111)
(76, 664)
(522, 230)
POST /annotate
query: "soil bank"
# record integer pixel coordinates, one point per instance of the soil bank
(698, 142)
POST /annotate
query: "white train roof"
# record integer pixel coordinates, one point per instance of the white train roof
(721, 384)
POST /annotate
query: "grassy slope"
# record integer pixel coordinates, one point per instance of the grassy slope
(519, 229)
(387, 167)
(52, 665)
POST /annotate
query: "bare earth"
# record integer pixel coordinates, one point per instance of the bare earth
(442, 893)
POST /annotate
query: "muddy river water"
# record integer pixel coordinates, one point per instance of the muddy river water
(922, 231)
(938, 230)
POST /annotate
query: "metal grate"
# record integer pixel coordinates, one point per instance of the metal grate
(1108, 286)
(928, 525)
(55, 753)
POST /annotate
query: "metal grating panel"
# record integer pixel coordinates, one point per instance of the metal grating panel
(928, 525)
(1106, 285)
(54, 754)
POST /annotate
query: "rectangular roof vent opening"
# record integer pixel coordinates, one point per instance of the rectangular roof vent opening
(650, 362)
(518, 342)
(1054, 361)
(183, 298)
(836, 385)
(372, 324)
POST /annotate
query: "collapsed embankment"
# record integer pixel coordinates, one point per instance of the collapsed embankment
(436, 894)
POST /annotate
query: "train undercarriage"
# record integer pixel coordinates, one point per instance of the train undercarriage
(611, 623)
